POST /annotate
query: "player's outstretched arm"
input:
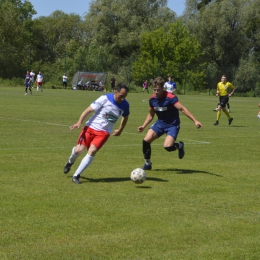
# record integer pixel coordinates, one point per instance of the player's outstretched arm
(82, 118)
(187, 113)
(118, 131)
(147, 121)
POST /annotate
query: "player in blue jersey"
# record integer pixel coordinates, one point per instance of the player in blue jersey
(166, 106)
(107, 110)
(27, 83)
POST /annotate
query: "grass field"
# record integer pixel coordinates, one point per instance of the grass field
(205, 206)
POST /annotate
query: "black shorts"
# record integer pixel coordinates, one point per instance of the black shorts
(223, 100)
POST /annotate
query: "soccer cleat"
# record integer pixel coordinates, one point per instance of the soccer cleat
(76, 180)
(230, 121)
(67, 167)
(216, 123)
(181, 150)
(25, 94)
(147, 167)
(215, 110)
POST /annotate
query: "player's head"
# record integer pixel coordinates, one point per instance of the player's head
(158, 89)
(120, 92)
(170, 78)
(223, 79)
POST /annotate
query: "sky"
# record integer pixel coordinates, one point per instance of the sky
(46, 7)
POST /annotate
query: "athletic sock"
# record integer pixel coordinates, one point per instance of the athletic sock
(73, 156)
(147, 150)
(227, 114)
(147, 161)
(218, 115)
(86, 161)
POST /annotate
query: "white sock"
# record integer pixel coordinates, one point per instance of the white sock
(86, 161)
(73, 156)
(37, 88)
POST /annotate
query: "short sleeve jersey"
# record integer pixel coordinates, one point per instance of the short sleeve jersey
(107, 112)
(27, 78)
(65, 78)
(223, 88)
(170, 86)
(39, 78)
(32, 75)
(164, 108)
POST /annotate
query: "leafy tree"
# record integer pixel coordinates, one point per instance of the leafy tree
(119, 24)
(15, 36)
(169, 52)
(247, 75)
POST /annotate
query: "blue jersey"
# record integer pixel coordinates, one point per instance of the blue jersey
(164, 108)
(27, 78)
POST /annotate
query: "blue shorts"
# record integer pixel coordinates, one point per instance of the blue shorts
(161, 128)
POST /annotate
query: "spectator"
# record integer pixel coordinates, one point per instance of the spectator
(80, 85)
(64, 81)
(113, 83)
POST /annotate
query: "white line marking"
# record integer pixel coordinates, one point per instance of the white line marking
(47, 123)
(27, 120)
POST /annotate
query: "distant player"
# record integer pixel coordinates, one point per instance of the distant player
(27, 83)
(145, 87)
(32, 75)
(170, 86)
(39, 81)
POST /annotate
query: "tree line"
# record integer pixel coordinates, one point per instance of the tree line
(137, 40)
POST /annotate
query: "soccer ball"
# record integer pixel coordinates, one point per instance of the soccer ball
(138, 176)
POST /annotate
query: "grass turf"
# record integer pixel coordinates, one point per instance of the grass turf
(204, 206)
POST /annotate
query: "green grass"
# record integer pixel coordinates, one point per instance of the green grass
(205, 206)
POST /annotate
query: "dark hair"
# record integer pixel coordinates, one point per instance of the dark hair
(158, 82)
(119, 86)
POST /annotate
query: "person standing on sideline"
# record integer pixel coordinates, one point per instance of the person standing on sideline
(170, 86)
(166, 106)
(39, 81)
(107, 110)
(113, 83)
(27, 83)
(258, 115)
(223, 94)
(64, 81)
(32, 75)
(145, 87)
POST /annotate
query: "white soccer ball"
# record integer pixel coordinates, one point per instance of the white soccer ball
(138, 176)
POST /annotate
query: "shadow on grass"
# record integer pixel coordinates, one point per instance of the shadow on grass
(108, 180)
(188, 171)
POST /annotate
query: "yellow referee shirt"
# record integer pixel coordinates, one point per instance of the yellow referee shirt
(223, 88)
